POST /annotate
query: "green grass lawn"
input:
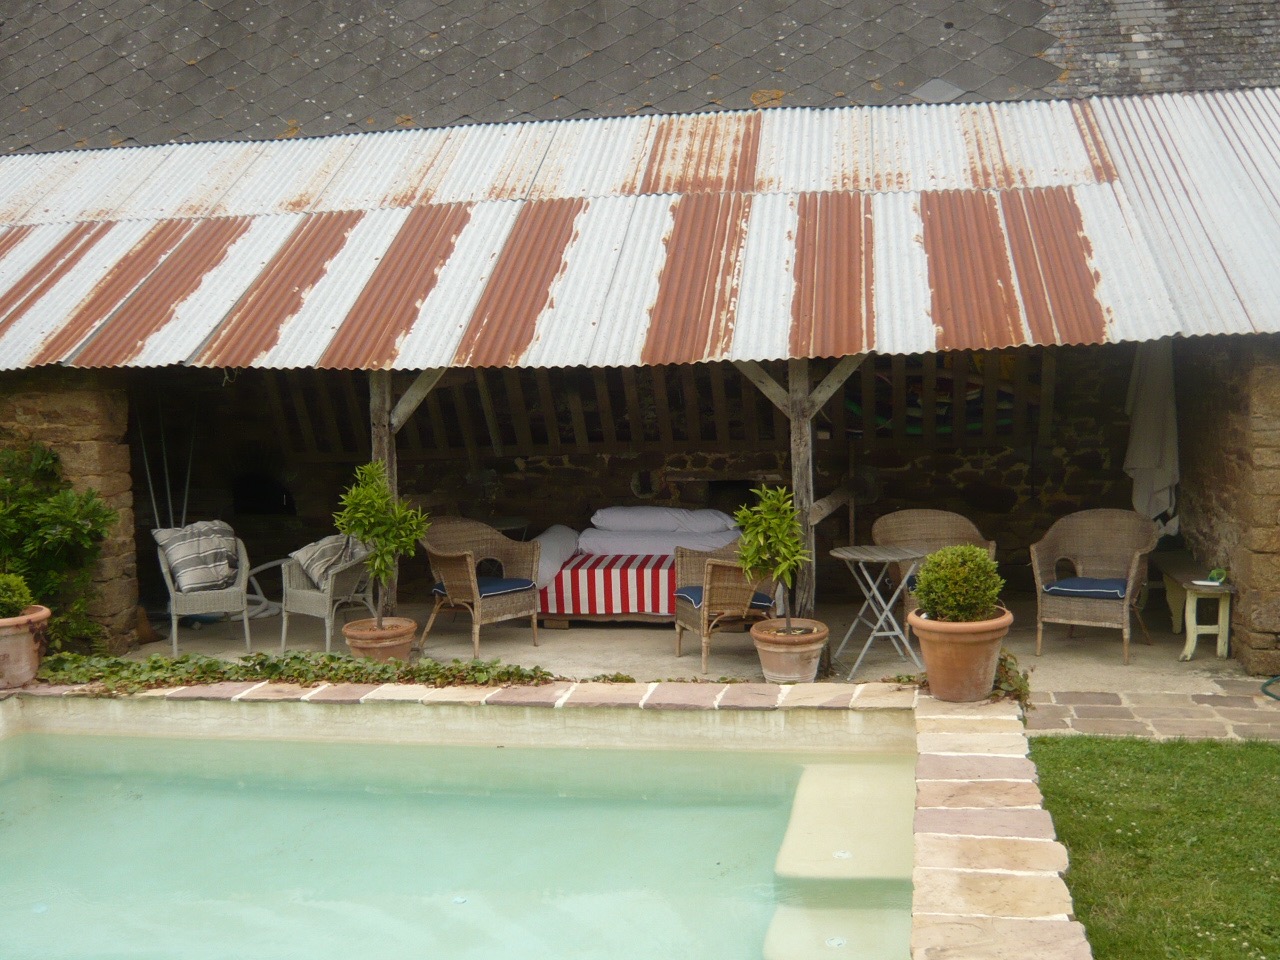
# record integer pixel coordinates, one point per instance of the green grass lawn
(1175, 846)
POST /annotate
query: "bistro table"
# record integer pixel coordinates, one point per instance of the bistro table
(870, 568)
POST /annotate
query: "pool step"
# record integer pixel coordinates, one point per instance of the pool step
(800, 932)
(850, 822)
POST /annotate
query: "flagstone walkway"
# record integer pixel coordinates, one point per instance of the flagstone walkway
(1239, 711)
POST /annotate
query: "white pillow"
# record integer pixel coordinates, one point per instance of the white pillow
(201, 555)
(319, 558)
(661, 519)
(559, 543)
(626, 543)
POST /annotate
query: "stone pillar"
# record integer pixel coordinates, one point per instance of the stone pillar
(84, 417)
(1229, 426)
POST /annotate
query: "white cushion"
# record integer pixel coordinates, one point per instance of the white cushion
(320, 558)
(200, 556)
(661, 519)
(616, 542)
(559, 543)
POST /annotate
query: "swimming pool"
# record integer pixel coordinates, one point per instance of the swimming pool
(194, 848)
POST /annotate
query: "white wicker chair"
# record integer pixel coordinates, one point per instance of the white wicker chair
(346, 585)
(232, 599)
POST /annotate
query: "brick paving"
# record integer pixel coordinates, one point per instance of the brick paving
(1239, 710)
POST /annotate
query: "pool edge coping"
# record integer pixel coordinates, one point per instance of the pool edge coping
(988, 868)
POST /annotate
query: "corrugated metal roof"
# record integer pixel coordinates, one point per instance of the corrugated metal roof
(756, 235)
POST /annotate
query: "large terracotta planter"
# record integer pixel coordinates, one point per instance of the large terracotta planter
(789, 658)
(394, 640)
(21, 644)
(960, 658)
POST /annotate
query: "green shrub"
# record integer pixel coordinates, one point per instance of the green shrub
(958, 584)
(51, 536)
(389, 527)
(15, 595)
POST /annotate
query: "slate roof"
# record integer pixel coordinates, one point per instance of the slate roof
(76, 73)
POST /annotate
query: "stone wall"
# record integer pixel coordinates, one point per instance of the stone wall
(1229, 436)
(84, 418)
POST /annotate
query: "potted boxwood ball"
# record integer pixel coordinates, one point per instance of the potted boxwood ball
(22, 631)
(771, 546)
(960, 622)
(390, 528)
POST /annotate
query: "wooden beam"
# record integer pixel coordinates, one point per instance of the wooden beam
(604, 407)
(829, 504)
(834, 380)
(413, 397)
(490, 417)
(517, 408)
(802, 477)
(767, 385)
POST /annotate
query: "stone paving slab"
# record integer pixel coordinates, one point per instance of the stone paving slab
(342, 693)
(608, 695)
(750, 696)
(990, 853)
(1233, 714)
(980, 893)
(997, 938)
(228, 690)
(685, 696)
(829, 696)
(547, 695)
(277, 691)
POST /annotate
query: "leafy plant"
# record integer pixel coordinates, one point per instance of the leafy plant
(959, 584)
(771, 544)
(1012, 683)
(15, 595)
(113, 675)
(388, 526)
(51, 536)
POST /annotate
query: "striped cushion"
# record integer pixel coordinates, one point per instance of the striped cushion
(200, 556)
(1091, 588)
(492, 586)
(761, 601)
(319, 558)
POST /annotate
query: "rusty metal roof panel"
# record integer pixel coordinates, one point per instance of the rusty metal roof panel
(441, 318)
(72, 282)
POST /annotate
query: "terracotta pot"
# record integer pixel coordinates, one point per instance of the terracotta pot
(395, 639)
(21, 643)
(960, 658)
(789, 658)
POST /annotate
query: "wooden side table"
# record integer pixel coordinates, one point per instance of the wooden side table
(1185, 585)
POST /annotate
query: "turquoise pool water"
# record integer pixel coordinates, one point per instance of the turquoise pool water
(182, 849)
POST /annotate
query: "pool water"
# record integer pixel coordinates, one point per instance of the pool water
(185, 849)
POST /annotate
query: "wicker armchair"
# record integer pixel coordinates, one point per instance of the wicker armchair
(929, 529)
(454, 547)
(345, 585)
(232, 599)
(1107, 550)
(713, 593)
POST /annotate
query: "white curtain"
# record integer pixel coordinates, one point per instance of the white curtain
(1152, 457)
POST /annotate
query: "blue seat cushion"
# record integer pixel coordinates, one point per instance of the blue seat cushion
(1092, 588)
(492, 586)
(761, 601)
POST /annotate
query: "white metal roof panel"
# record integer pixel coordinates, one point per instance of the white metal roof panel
(903, 321)
(594, 158)
(99, 189)
(383, 170)
(191, 181)
(287, 176)
(763, 327)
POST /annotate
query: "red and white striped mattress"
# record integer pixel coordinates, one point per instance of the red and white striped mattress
(598, 584)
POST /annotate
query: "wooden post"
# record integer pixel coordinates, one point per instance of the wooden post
(383, 447)
(802, 476)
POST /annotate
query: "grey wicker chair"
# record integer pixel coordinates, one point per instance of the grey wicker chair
(713, 593)
(930, 530)
(1107, 551)
(346, 585)
(454, 547)
(232, 599)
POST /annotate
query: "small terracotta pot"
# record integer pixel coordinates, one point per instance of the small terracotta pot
(394, 640)
(960, 658)
(789, 658)
(21, 644)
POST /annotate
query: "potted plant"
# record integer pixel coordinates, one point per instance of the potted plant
(771, 546)
(390, 528)
(960, 622)
(22, 631)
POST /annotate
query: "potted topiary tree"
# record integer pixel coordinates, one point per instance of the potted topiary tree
(390, 528)
(960, 622)
(22, 631)
(771, 546)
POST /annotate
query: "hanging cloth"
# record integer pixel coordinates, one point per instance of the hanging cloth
(1152, 457)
